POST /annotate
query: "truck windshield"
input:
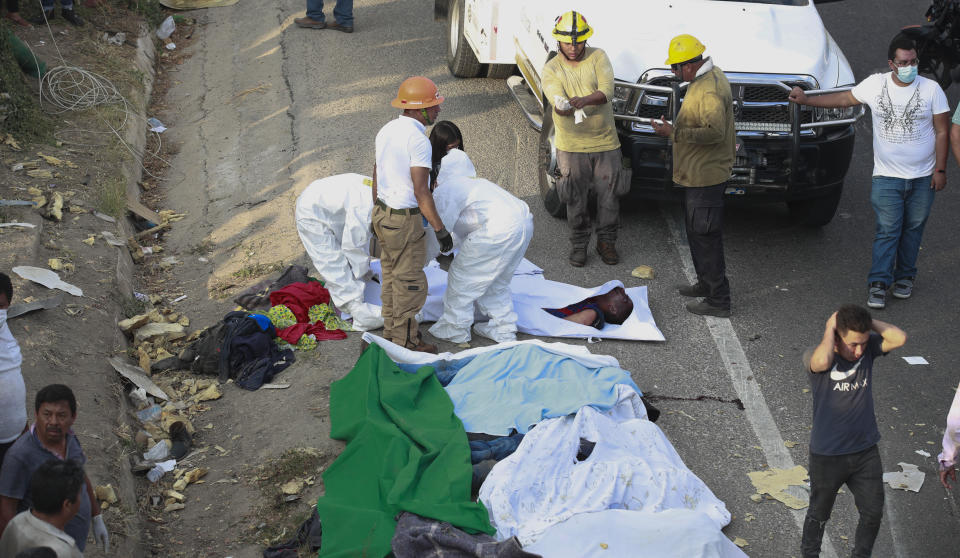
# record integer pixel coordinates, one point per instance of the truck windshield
(777, 2)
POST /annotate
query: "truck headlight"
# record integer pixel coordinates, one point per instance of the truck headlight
(826, 114)
(621, 99)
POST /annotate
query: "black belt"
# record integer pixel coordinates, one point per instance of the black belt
(408, 211)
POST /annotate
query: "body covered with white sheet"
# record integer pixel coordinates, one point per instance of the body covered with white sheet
(633, 466)
(492, 229)
(333, 220)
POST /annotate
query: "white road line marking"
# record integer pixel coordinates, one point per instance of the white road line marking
(748, 390)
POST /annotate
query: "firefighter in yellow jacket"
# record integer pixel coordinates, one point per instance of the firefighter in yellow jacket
(704, 149)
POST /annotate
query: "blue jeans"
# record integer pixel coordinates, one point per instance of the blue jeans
(342, 12)
(902, 207)
(64, 4)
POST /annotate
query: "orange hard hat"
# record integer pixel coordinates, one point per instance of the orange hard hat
(417, 92)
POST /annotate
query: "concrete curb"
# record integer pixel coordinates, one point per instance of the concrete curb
(135, 136)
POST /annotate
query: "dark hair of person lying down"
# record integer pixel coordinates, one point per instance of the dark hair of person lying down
(616, 306)
(443, 135)
(53, 483)
(6, 286)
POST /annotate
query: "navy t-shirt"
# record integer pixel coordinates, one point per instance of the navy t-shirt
(843, 417)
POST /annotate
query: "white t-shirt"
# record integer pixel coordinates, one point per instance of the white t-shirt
(13, 393)
(904, 141)
(400, 145)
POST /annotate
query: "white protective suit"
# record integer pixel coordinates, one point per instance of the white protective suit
(333, 220)
(493, 229)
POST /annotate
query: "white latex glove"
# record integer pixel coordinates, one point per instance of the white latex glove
(561, 103)
(100, 534)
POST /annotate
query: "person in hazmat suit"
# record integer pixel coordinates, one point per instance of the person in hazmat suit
(333, 220)
(492, 229)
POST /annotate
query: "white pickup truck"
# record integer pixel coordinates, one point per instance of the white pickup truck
(798, 155)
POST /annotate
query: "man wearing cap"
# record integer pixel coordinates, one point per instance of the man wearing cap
(578, 83)
(704, 149)
(402, 201)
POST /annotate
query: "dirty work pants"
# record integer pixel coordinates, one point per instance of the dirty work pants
(601, 172)
(862, 472)
(703, 217)
(404, 285)
(481, 273)
(901, 206)
(342, 12)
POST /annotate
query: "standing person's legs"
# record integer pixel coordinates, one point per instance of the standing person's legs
(497, 301)
(343, 12)
(827, 475)
(610, 182)
(704, 223)
(918, 199)
(576, 174)
(409, 250)
(887, 198)
(472, 271)
(378, 218)
(866, 485)
(315, 10)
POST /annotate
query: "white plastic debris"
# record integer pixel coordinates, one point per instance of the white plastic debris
(910, 477)
(923, 453)
(156, 125)
(47, 278)
(24, 225)
(166, 28)
(111, 239)
(157, 452)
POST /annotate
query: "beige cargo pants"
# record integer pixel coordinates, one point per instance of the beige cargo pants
(404, 285)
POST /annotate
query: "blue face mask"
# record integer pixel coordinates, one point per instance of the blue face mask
(908, 74)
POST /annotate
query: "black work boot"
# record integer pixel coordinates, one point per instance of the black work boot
(696, 290)
(72, 17)
(578, 256)
(39, 20)
(608, 253)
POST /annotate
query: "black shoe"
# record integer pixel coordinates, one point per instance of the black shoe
(704, 308)
(72, 17)
(695, 290)
(39, 20)
(578, 256)
(338, 27)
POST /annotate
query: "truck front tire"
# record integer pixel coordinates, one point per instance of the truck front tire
(461, 59)
(547, 166)
(816, 212)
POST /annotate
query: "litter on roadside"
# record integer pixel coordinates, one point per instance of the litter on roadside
(111, 239)
(138, 378)
(16, 310)
(24, 225)
(777, 482)
(913, 360)
(156, 125)
(47, 278)
(910, 477)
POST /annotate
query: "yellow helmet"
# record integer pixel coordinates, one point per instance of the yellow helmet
(684, 48)
(572, 27)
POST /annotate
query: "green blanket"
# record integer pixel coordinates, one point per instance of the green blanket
(406, 451)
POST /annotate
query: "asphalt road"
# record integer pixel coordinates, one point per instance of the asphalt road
(331, 94)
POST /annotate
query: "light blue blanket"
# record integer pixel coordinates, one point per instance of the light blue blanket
(518, 387)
